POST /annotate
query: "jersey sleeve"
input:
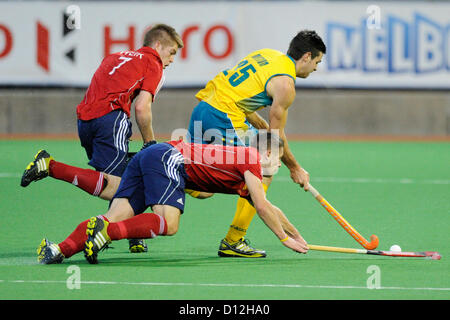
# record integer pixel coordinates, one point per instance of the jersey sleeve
(152, 78)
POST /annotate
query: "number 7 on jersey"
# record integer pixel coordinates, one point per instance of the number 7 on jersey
(125, 60)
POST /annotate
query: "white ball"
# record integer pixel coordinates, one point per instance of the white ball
(395, 248)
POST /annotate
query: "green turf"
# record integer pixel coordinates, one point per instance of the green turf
(398, 191)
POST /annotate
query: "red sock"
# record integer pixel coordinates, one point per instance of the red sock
(74, 243)
(142, 226)
(88, 180)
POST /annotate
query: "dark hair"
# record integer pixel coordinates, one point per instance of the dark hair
(265, 140)
(306, 41)
(164, 34)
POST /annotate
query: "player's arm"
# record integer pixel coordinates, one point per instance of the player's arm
(143, 112)
(257, 121)
(288, 226)
(268, 214)
(282, 91)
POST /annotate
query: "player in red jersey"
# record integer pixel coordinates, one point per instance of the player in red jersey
(103, 115)
(157, 177)
(104, 125)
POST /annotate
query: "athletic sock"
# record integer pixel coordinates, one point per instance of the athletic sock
(142, 226)
(242, 218)
(91, 181)
(74, 243)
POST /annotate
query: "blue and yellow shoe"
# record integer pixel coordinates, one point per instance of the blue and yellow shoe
(137, 245)
(37, 169)
(49, 252)
(98, 238)
(240, 248)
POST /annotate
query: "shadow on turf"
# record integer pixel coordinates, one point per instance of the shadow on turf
(145, 260)
(176, 259)
(166, 262)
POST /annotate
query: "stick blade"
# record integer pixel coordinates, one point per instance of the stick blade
(433, 255)
(426, 254)
(373, 244)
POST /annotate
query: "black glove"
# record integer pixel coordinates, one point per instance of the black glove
(148, 144)
(130, 155)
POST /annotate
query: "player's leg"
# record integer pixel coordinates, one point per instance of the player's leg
(106, 141)
(234, 243)
(110, 153)
(170, 219)
(111, 187)
(119, 210)
(244, 215)
(37, 169)
(93, 182)
(164, 220)
(49, 252)
(154, 178)
(144, 226)
(209, 125)
(96, 229)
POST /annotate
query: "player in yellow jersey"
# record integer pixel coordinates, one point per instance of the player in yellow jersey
(226, 114)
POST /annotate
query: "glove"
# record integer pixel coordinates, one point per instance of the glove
(130, 155)
(148, 144)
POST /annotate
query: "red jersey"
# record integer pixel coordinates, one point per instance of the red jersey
(118, 80)
(218, 168)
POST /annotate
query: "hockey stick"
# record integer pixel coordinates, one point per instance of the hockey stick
(340, 219)
(425, 254)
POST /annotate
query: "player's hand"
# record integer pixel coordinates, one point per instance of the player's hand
(300, 239)
(301, 177)
(296, 245)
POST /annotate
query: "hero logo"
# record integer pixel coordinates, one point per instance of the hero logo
(127, 40)
(398, 46)
(121, 38)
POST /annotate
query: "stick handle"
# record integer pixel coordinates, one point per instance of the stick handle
(336, 249)
(334, 213)
(344, 223)
(313, 191)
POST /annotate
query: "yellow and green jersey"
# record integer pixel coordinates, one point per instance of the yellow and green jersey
(242, 89)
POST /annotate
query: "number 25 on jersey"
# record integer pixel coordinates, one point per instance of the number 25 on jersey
(243, 72)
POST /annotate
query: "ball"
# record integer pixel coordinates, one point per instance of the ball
(395, 248)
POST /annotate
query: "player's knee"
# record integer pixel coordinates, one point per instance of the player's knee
(171, 217)
(110, 186)
(173, 222)
(172, 228)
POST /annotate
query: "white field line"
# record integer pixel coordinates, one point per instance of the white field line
(240, 285)
(5, 175)
(10, 175)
